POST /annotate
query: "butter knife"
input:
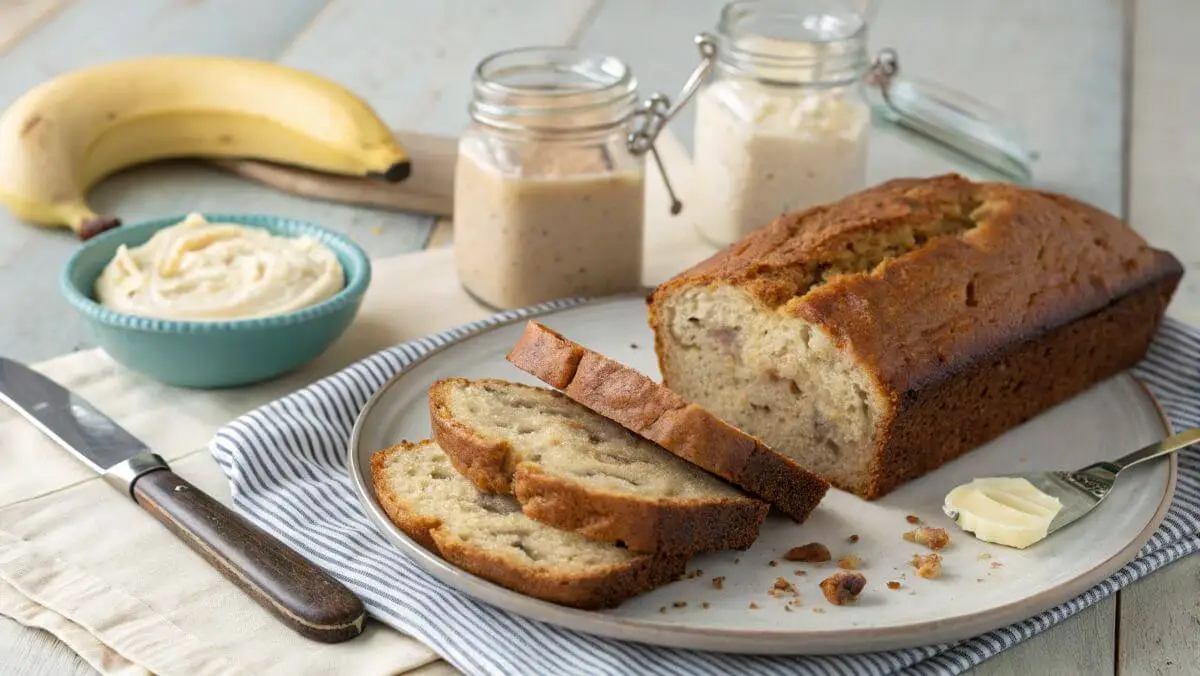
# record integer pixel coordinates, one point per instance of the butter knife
(296, 591)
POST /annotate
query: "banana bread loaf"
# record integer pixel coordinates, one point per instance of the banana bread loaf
(875, 338)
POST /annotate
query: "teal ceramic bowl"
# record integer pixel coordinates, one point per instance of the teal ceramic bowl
(220, 353)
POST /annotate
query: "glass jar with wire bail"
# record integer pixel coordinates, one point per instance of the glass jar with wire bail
(781, 121)
(549, 192)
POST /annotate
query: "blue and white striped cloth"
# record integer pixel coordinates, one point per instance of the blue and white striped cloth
(287, 465)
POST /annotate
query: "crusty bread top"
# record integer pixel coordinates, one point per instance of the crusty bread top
(922, 277)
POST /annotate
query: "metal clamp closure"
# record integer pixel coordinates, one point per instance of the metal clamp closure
(656, 112)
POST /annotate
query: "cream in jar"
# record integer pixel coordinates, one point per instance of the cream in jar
(548, 200)
(781, 125)
(197, 271)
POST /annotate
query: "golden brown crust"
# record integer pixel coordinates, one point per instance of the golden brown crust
(603, 587)
(483, 462)
(649, 409)
(1026, 289)
(641, 524)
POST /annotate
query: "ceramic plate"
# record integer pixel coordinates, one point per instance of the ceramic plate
(982, 587)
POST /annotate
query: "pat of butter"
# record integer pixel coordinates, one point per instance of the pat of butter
(1004, 510)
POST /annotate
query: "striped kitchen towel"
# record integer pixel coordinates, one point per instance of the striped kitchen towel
(287, 465)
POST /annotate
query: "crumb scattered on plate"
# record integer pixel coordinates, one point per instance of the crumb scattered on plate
(799, 571)
(933, 538)
(849, 563)
(912, 518)
(853, 538)
(813, 552)
(995, 564)
(929, 566)
(984, 556)
(719, 582)
(772, 563)
(679, 604)
(753, 605)
(892, 584)
(818, 610)
(633, 346)
(843, 587)
(704, 605)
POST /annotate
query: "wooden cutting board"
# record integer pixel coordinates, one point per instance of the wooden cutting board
(428, 190)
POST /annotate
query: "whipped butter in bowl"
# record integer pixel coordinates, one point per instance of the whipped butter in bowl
(214, 300)
(201, 271)
(1008, 511)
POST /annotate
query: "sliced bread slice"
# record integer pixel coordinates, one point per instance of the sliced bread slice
(580, 471)
(487, 535)
(651, 410)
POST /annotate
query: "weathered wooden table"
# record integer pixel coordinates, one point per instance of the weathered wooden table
(1103, 89)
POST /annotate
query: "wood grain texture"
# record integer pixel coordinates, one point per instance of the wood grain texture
(1164, 171)
(297, 592)
(26, 651)
(1160, 622)
(429, 190)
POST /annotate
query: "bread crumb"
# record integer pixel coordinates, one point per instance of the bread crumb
(979, 579)
(984, 556)
(853, 538)
(633, 346)
(849, 563)
(995, 564)
(818, 610)
(929, 566)
(933, 538)
(813, 552)
(782, 584)
(679, 604)
(663, 609)
(704, 605)
(912, 518)
(893, 585)
(719, 582)
(772, 563)
(736, 560)
(843, 587)
(753, 605)
(692, 574)
(795, 600)
(787, 609)
(799, 572)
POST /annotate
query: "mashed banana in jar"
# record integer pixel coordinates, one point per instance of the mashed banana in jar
(196, 271)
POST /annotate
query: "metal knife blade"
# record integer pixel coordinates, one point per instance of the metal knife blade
(67, 418)
(297, 592)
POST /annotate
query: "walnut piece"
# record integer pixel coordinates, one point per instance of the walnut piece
(929, 566)
(813, 552)
(933, 538)
(843, 587)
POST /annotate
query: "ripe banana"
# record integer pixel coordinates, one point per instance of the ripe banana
(63, 136)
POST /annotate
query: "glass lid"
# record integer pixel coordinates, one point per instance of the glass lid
(946, 122)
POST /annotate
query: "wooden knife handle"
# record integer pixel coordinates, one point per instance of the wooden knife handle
(297, 592)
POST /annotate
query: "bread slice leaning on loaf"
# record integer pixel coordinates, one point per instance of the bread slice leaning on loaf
(641, 405)
(875, 338)
(576, 470)
(488, 535)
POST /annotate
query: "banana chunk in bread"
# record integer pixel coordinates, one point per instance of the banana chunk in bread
(487, 535)
(647, 408)
(576, 470)
(875, 338)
